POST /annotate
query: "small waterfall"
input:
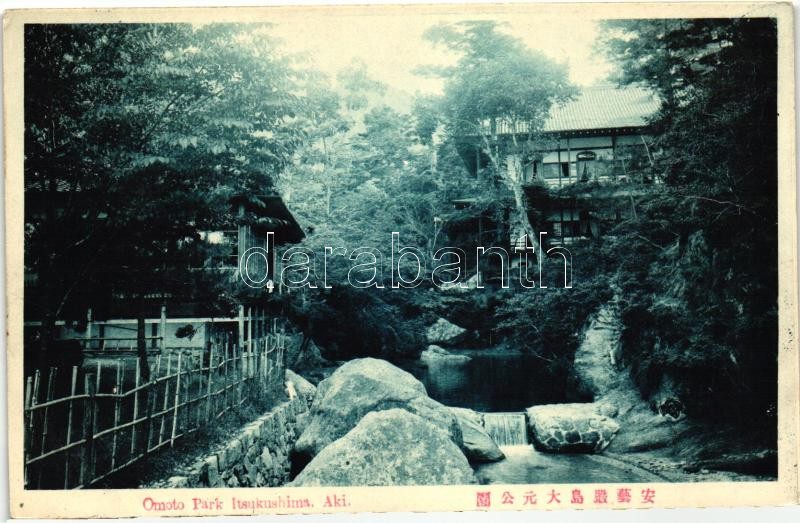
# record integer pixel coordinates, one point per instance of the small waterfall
(506, 428)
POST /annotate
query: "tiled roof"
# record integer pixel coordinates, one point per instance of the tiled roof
(599, 107)
(603, 108)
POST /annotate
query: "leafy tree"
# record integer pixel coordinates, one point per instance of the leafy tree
(136, 138)
(548, 323)
(358, 86)
(703, 249)
(427, 115)
(377, 177)
(498, 81)
(318, 162)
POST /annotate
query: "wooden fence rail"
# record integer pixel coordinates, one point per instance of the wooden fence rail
(77, 439)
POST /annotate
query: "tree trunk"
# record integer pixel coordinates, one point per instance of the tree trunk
(514, 184)
(520, 201)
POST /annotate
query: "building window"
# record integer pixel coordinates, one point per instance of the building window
(586, 165)
(551, 170)
(566, 229)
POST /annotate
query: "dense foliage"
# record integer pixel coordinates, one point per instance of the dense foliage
(144, 133)
(136, 138)
(497, 82)
(698, 264)
(355, 183)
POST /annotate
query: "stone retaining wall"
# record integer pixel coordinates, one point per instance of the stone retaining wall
(257, 456)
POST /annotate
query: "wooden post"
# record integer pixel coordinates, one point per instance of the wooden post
(271, 354)
(232, 372)
(560, 167)
(51, 376)
(281, 348)
(163, 327)
(158, 365)
(117, 391)
(268, 342)
(262, 348)
(249, 351)
(35, 398)
(28, 426)
(87, 450)
(239, 375)
(99, 373)
(150, 400)
(163, 413)
(241, 327)
(34, 413)
(226, 372)
(264, 339)
(209, 387)
(151, 396)
(235, 374)
(95, 414)
(267, 337)
(197, 404)
(69, 424)
(569, 164)
(176, 401)
(256, 355)
(258, 335)
(88, 334)
(136, 383)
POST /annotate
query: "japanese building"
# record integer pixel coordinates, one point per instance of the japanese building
(598, 138)
(112, 315)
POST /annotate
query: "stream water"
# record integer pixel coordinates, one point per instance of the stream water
(525, 465)
(503, 386)
(490, 382)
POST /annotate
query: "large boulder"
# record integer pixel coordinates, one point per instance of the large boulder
(362, 386)
(435, 354)
(391, 447)
(302, 386)
(570, 427)
(444, 333)
(478, 444)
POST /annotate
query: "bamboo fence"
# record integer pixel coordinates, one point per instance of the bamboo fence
(109, 417)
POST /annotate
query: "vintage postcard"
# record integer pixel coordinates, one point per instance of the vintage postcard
(509, 257)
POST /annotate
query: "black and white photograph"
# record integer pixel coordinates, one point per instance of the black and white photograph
(532, 255)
